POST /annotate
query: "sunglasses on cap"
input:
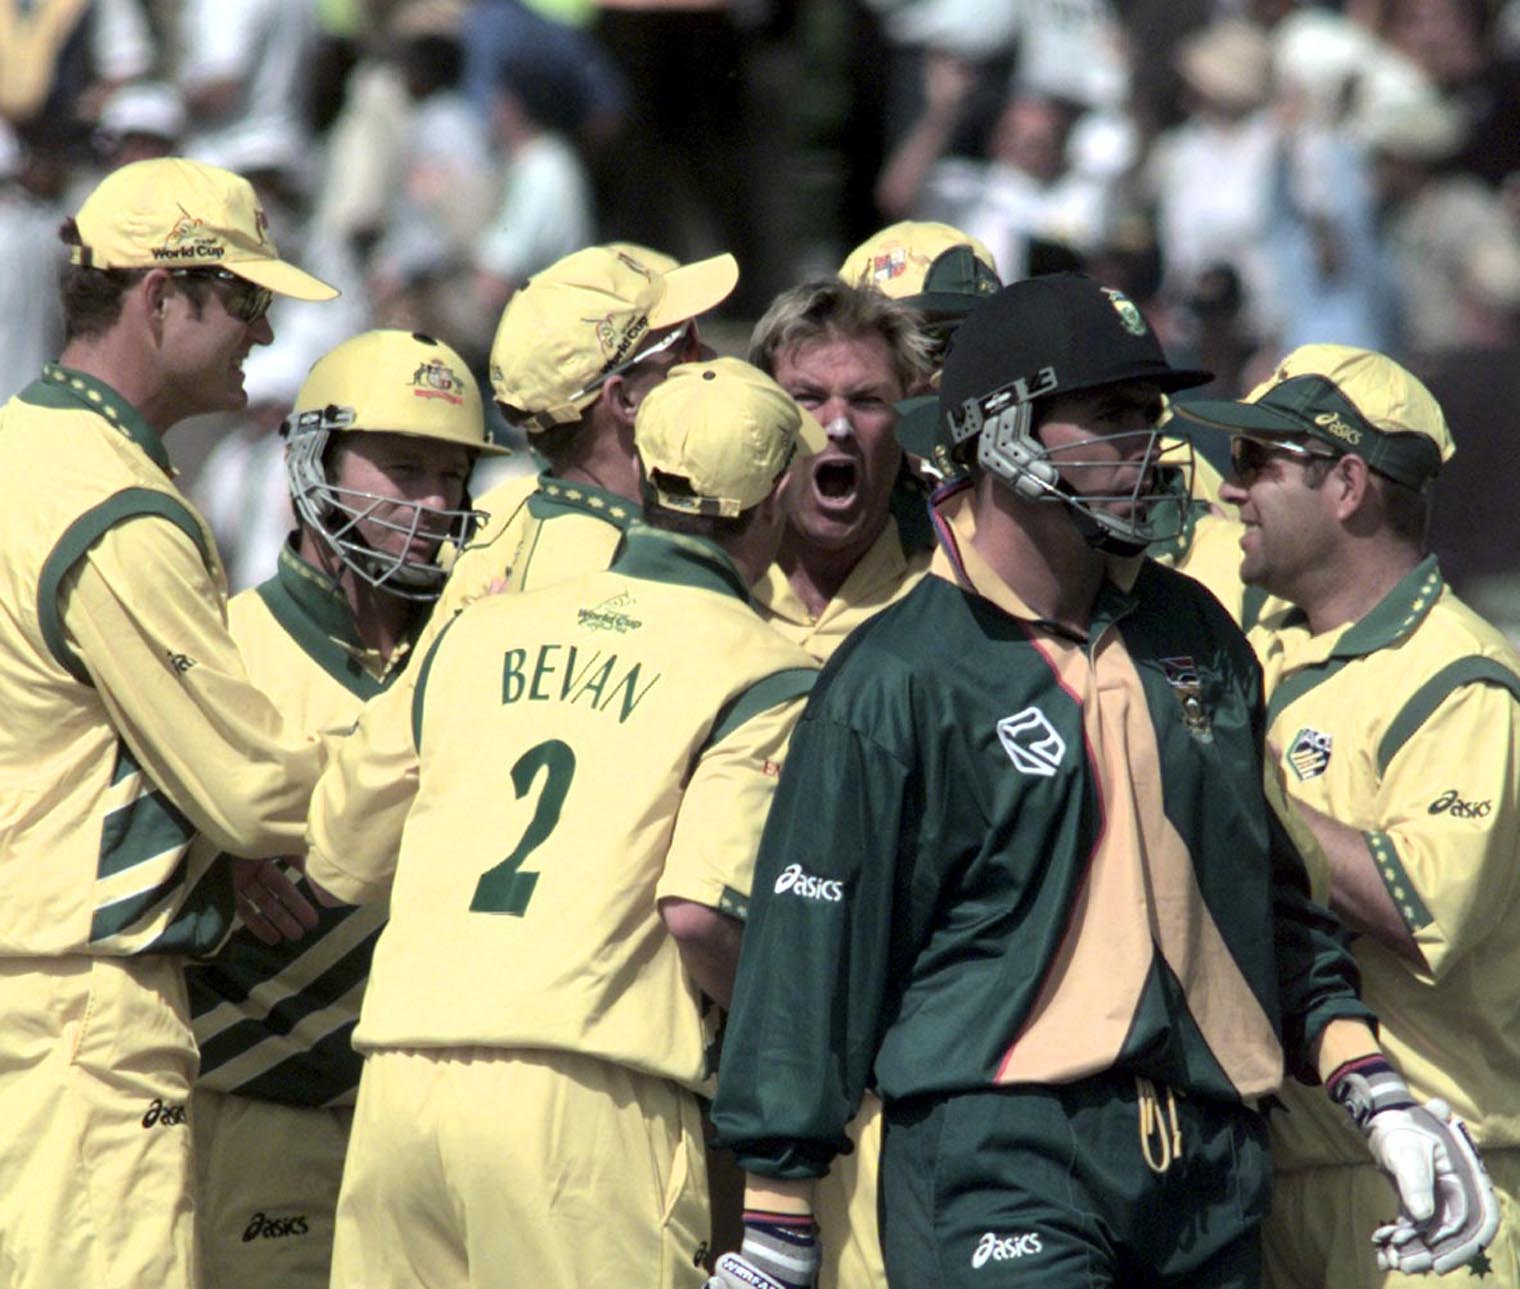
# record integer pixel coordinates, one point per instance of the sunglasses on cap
(242, 300)
(1248, 456)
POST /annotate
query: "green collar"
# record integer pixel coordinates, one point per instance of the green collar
(311, 606)
(679, 559)
(1396, 615)
(556, 497)
(63, 387)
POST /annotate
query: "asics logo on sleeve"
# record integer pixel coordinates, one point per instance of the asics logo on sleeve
(1004, 1248)
(799, 882)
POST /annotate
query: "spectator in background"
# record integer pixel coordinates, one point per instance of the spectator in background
(241, 488)
(1023, 193)
(59, 58)
(447, 182)
(590, 94)
(139, 121)
(243, 70)
(1211, 176)
(1452, 42)
(676, 174)
(1452, 247)
(32, 178)
(546, 209)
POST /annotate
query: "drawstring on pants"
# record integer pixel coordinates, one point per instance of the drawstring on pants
(1159, 1146)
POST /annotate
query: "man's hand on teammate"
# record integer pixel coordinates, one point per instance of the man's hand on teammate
(268, 902)
(1448, 1211)
(780, 1251)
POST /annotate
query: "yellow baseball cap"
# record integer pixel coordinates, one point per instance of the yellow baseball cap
(928, 266)
(1353, 399)
(168, 212)
(715, 436)
(586, 317)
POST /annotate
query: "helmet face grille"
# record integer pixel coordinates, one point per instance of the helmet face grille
(1150, 506)
(337, 516)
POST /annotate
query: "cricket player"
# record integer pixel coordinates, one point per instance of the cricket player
(130, 726)
(1021, 875)
(384, 432)
(847, 355)
(940, 273)
(580, 788)
(577, 350)
(1393, 715)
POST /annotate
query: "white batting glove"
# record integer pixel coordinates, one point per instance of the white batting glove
(1448, 1211)
(775, 1255)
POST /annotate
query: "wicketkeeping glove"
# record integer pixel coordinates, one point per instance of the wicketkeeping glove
(1448, 1211)
(780, 1251)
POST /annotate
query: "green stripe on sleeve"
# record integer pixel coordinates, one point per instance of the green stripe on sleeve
(83, 533)
(763, 695)
(1423, 702)
(1391, 869)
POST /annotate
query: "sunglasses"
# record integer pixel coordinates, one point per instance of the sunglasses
(1249, 456)
(683, 339)
(242, 300)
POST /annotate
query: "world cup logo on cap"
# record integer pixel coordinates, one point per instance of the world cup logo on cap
(188, 239)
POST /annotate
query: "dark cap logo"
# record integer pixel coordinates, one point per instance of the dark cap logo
(1129, 315)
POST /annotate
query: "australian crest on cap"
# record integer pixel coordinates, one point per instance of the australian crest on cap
(436, 379)
(1129, 315)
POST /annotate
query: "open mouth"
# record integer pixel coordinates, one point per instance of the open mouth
(835, 481)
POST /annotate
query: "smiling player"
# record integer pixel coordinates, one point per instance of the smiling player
(130, 725)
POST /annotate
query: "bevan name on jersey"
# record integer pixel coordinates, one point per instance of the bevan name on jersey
(565, 674)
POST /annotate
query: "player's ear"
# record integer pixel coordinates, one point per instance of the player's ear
(155, 288)
(1351, 478)
(621, 398)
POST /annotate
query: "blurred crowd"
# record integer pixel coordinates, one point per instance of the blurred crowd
(1259, 174)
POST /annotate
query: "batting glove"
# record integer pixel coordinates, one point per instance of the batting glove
(1448, 1211)
(780, 1251)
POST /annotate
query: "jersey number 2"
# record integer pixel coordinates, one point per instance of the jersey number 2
(505, 888)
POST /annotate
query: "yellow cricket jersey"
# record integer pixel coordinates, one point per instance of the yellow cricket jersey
(276, 1021)
(130, 723)
(883, 575)
(1406, 725)
(538, 530)
(565, 759)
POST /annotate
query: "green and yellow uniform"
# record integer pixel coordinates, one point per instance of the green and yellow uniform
(846, 1198)
(1406, 726)
(131, 725)
(274, 1023)
(538, 530)
(1003, 858)
(562, 761)
(884, 574)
